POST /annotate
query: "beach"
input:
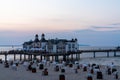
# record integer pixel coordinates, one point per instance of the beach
(22, 74)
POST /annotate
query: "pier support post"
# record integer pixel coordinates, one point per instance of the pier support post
(114, 53)
(5, 57)
(31, 57)
(41, 57)
(14, 57)
(67, 57)
(72, 57)
(52, 58)
(94, 54)
(28, 57)
(108, 54)
(34, 57)
(44, 57)
(24, 57)
(56, 58)
(78, 56)
(20, 57)
(64, 57)
(48, 58)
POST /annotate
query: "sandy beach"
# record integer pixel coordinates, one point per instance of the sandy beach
(22, 74)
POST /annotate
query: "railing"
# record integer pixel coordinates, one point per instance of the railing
(69, 52)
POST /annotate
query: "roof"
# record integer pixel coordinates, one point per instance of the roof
(43, 40)
(28, 43)
(36, 40)
(52, 41)
(56, 41)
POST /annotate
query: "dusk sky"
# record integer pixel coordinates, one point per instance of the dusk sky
(20, 20)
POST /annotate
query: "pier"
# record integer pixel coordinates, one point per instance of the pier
(30, 55)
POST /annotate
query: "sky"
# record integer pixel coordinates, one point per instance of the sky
(20, 20)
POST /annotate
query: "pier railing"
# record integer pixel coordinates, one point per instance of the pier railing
(69, 53)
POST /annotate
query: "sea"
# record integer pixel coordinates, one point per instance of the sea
(7, 48)
(84, 55)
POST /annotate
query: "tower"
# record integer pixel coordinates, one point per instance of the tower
(36, 38)
(43, 37)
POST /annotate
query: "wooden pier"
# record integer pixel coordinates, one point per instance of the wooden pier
(55, 56)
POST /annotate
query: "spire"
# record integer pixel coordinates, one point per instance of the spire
(43, 37)
(43, 34)
(36, 38)
(75, 39)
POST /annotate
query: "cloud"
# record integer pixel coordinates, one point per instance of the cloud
(116, 24)
(99, 27)
(111, 27)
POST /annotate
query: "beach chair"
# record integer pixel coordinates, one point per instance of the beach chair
(78, 67)
(92, 71)
(116, 76)
(56, 68)
(6, 65)
(33, 70)
(41, 66)
(62, 77)
(85, 68)
(70, 65)
(109, 71)
(63, 70)
(45, 72)
(99, 75)
(76, 71)
(1, 61)
(89, 77)
(114, 70)
(29, 67)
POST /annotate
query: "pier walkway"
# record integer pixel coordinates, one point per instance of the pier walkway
(55, 56)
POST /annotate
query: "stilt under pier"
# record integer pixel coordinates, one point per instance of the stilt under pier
(20, 57)
(114, 53)
(64, 57)
(56, 58)
(14, 57)
(53, 58)
(72, 57)
(108, 54)
(24, 57)
(41, 57)
(5, 57)
(94, 54)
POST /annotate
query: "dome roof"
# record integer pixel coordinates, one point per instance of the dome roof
(36, 38)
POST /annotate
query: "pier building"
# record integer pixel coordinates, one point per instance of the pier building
(51, 45)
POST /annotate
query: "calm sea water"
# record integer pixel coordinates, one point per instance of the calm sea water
(7, 48)
(84, 55)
